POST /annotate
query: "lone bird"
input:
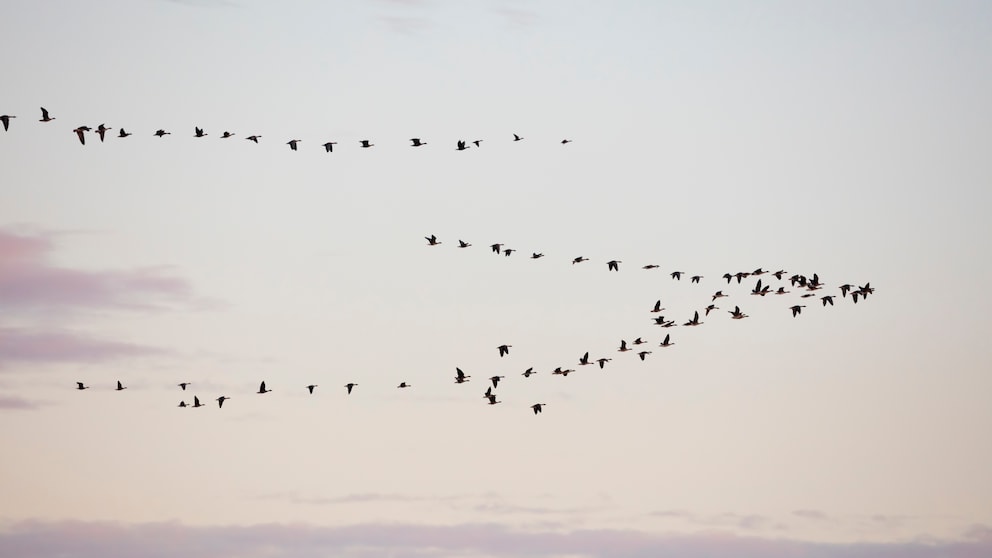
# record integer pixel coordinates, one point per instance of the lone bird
(226, 135)
(677, 275)
(329, 146)
(79, 385)
(496, 247)
(101, 130)
(504, 350)
(695, 278)
(613, 265)
(650, 266)
(366, 143)
(463, 244)
(120, 386)
(580, 259)
(492, 399)
(5, 119)
(508, 251)
(495, 380)
(198, 132)
(221, 400)
(657, 306)
(737, 314)
(183, 385)
(432, 240)
(528, 372)
(602, 361)
(461, 377)
(537, 407)
(310, 388)
(460, 146)
(261, 389)
(718, 294)
(292, 144)
(536, 255)
(797, 309)
(122, 134)
(44, 115)
(79, 133)
(253, 138)
(827, 299)
(639, 341)
(623, 346)
(350, 386)
(584, 359)
(404, 385)
(182, 403)
(516, 137)
(564, 141)
(643, 354)
(161, 133)
(667, 342)
(196, 402)
(417, 142)
(694, 321)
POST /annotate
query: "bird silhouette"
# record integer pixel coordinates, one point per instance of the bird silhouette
(226, 135)
(579, 259)
(404, 385)
(492, 399)
(183, 385)
(508, 251)
(797, 309)
(827, 300)
(667, 342)
(516, 137)
(460, 146)
(643, 354)
(292, 144)
(182, 404)
(677, 275)
(101, 130)
(623, 346)
(253, 138)
(694, 321)
(559, 372)
(504, 350)
(495, 380)
(536, 255)
(584, 359)
(310, 388)
(564, 141)
(613, 265)
(365, 143)
(432, 240)
(538, 407)
(221, 400)
(262, 390)
(44, 115)
(79, 133)
(5, 120)
(161, 133)
(79, 385)
(602, 361)
(417, 142)
(496, 247)
(122, 134)
(460, 376)
(329, 146)
(120, 386)
(527, 373)
(737, 314)
(350, 386)
(198, 132)
(196, 402)
(657, 306)
(463, 244)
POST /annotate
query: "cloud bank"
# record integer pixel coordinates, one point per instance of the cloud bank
(78, 539)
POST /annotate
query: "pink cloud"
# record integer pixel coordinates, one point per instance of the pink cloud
(18, 345)
(29, 281)
(16, 403)
(112, 540)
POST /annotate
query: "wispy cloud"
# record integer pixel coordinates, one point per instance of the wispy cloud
(112, 540)
(19, 345)
(17, 403)
(29, 281)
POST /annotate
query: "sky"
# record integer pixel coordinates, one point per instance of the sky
(845, 139)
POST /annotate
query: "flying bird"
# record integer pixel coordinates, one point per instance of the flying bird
(44, 115)
(584, 359)
(329, 146)
(737, 314)
(79, 385)
(5, 119)
(221, 400)
(650, 266)
(694, 321)
(559, 372)
(122, 134)
(657, 306)
(101, 130)
(796, 309)
(79, 133)
(508, 251)
(564, 141)
(623, 346)
(226, 135)
(602, 361)
(253, 138)
(463, 244)
(432, 240)
(261, 389)
(350, 386)
(536, 255)
(120, 386)
(496, 247)
(404, 385)
(365, 143)
(643, 354)
(718, 294)
(196, 402)
(310, 388)
(292, 144)
(538, 407)
(460, 146)
(613, 265)
(667, 342)
(516, 137)
(639, 341)
(495, 380)
(182, 403)
(198, 132)
(492, 399)
(460, 376)
(417, 142)
(580, 259)
(504, 350)
(827, 299)
(184, 384)
(696, 278)
(161, 133)
(528, 372)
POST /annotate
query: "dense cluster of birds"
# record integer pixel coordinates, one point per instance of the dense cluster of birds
(102, 129)
(806, 286)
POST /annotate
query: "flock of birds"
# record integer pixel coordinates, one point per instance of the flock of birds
(809, 285)
(102, 129)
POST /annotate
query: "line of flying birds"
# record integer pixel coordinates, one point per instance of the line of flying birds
(811, 284)
(102, 129)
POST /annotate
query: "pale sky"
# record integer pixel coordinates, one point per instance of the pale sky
(847, 139)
